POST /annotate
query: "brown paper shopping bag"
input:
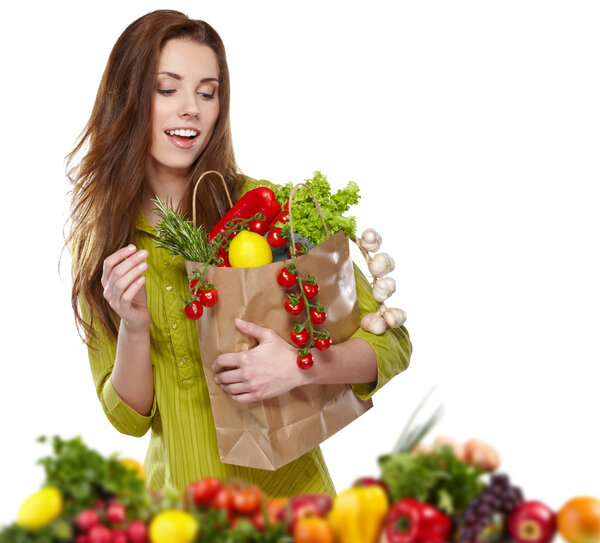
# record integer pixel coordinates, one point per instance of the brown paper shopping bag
(268, 434)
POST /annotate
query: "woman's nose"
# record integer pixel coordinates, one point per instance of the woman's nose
(189, 106)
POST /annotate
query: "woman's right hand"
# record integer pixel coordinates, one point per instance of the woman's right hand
(124, 288)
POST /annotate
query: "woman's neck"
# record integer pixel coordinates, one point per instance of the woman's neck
(167, 185)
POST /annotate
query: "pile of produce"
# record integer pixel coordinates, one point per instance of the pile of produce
(444, 493)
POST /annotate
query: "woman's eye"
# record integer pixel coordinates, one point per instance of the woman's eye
(165, 92)
(208, 95)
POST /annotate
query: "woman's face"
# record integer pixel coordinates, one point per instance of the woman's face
(186, 105)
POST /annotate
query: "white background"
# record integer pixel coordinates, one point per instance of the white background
(472, 129)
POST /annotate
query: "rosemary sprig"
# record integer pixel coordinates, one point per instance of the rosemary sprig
(181, 237)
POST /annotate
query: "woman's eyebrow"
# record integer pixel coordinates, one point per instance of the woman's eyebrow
(179, 77)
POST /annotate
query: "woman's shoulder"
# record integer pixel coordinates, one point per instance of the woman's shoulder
(249, 183)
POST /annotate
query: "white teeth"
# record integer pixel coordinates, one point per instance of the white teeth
(181, 132)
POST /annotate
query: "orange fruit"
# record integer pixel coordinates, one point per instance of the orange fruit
(578, 520)
(313, 530)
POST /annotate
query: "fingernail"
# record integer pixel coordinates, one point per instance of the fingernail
(131, 247)
(143, 252)
(142, 266)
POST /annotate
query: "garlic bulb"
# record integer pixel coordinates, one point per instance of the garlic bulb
(370, 240)
(373, 323)
(394, 317)
(384, 288)
(381, 265)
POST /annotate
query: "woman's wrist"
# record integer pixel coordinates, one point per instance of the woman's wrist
(352, 361)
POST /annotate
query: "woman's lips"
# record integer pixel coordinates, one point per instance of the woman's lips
(182, 142)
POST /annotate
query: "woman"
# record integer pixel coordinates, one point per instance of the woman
(161, 118)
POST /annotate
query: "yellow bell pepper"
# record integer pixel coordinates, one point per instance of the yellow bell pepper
(358, 513)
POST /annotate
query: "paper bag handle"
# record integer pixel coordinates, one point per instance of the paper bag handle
(196, 189)
(293, 245)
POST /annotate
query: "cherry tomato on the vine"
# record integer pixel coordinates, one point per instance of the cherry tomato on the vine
(300, 338)
(224, 499)
(317, 317)
(204, 491)
(193, 310)
(193, 284)
(258, 227)
(305, 362)
(310, 290)
(300, 249)
(208, 298)
(247, 500)
(323, 343)
(286, 278)
(294, 308)
(274, 238)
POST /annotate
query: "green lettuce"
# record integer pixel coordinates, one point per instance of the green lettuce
(305, 217)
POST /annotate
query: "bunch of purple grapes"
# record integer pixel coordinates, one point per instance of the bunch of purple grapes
(495, 503)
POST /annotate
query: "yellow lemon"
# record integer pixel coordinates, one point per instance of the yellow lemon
(173, 526)
(134, 465)
(248, 250)
(41, 508)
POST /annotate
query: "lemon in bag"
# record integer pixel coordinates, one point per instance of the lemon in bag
(248, 250)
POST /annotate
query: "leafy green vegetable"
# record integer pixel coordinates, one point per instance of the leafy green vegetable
(84, 476)
(305, 217)
(438, 478)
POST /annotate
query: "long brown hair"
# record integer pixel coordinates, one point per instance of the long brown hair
(108, 180)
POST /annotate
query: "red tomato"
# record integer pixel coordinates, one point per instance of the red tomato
(193, 310)
(286, 278)
(116, 513)
(300, 338)
(323, 343)
(100, 534)
(137, 532)
(305, 362)
(208, 298)
(317, 317)
(193, 284)
(300, 249)
(310, 290)
(224, 499)
(247, 500)
(204, 491)
(274, 238)
(294, 308)
(82, 538)
(258, 227)
(87, 519)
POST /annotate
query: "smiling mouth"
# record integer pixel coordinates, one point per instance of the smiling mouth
(184, 133)
(183, 138)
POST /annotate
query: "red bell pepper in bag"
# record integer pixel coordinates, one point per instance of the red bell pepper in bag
(258, 200)
(412, 521)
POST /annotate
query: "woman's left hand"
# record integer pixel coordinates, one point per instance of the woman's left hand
(263, 372)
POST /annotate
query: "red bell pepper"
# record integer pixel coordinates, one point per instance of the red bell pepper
(258, 200)
(412, 521)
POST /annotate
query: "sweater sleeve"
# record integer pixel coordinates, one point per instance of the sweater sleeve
(102, 354)
(393, 348)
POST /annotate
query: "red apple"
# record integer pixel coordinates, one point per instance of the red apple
(306, 505)
(532, 522)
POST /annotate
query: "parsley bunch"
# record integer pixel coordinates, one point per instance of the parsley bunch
(438, 478)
